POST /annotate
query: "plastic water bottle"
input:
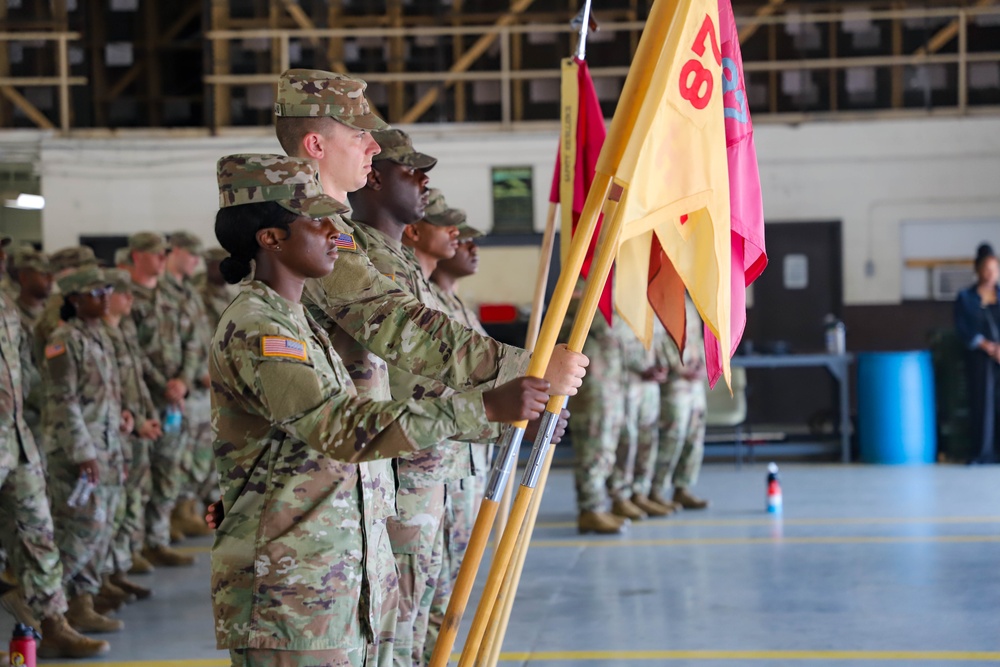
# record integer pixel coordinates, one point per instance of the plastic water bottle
(172, 420)
(81, 492)
(773, 489)
(24, 646)
(835, 333)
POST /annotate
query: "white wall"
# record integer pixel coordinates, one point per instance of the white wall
(870, 175)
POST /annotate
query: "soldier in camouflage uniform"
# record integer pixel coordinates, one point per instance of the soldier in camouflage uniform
(197, 467)
(597, 416)
(682, 420)
(130, 523)
(34, 278)
(61, 262)
(84, 422)
(39, 599)
(298, 584)
(166, 335)
(7, 285)
(639, 434)
(394, 197)
(215, 292)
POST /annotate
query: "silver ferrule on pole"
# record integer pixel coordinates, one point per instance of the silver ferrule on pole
(504, 463)
(543, 441)
(581, 45)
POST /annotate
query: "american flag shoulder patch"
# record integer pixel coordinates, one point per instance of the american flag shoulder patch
(279, 346)
(54, 350)
(345, 241)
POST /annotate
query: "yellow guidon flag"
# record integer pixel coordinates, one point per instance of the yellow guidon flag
(674, 169)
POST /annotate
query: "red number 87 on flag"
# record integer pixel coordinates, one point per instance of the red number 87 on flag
(697, 81)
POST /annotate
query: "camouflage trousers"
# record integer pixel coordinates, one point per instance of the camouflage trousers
(29, 538)
(682, 435)
(130, 521)
(638, 441)
(417, 535)
(166, 481)
(198, 462)
(596, 421)
(263, 657)
(83, 534)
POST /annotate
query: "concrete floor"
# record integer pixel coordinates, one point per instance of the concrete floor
(868, 566)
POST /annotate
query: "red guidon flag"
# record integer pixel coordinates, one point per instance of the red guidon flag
(580, 143)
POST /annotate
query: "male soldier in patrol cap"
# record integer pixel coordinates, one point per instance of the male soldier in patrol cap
(130, 524)
(324, 116)
(215, 292)
(39, 599)
(197, 464)
(166, 335)
(395, 197)
(34, 279)
(6, 284)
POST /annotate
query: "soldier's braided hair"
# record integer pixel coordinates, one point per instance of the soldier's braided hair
(236, 229)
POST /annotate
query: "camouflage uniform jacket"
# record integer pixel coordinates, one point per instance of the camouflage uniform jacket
(694, 347)
(189, 300)
(390, 323)
(34, 392)
(606, 372)
(450, 460)
(15, 436)
(166, 335)
(135, 394)
(291, 562)
(84, 408)
(216, 299)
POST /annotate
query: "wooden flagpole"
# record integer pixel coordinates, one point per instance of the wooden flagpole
(534, 324)
(581, 328)
(504, 462)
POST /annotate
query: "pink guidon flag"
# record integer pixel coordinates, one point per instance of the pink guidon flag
(745, 204)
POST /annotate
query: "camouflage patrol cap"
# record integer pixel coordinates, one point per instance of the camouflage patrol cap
(290, 182)
(83, 279)
(73, 257)
(120, 279)
(27, 257)
(147, 242)
(313, 93)
(216, 254)
(467, 231)
(123, 256)
(397, 146)
(187, 241)
(437, 212)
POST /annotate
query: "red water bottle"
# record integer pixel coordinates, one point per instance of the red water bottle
(23, 646)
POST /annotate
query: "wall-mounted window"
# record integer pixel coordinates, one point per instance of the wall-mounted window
(513, 201)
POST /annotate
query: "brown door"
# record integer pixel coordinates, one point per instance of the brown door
(799, 288)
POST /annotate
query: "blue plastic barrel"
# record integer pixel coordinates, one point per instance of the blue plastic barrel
(896, 421)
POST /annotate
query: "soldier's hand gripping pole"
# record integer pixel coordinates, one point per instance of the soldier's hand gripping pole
(511, 440)
(607, 249)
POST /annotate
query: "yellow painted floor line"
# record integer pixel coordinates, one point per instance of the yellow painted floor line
(717, 541)
(768, 521)
(585, 656)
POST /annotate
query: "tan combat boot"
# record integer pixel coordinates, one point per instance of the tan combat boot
(13, 601)
(688, 501)
(660, 500)
(82, 617)
(60, 640)
(190, 520)
(139, 564)
(121, 581)
(113, 590)
(602, 523)
(167, 557)
(623, 507)
(650, 507)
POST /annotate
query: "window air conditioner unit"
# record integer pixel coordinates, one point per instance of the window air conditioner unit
(948, 280)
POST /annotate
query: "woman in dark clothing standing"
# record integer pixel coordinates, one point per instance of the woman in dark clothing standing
(977, 319)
